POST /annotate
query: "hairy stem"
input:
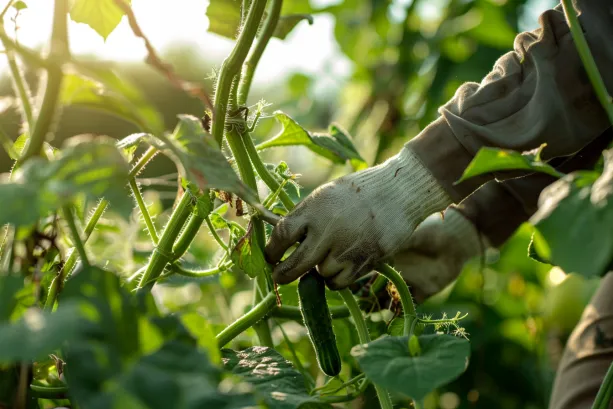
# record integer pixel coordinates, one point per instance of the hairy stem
(142, 162)
(254, 315)
(21, 88)
(76, 238)
(256, 52)
(177, 268)
(364, 336)
(58, 282)
(588, 59)
(187, 236)
(162, 254)
(58, 54)
(143, 210)
(215, 235)
(405, 295)
(232, 66)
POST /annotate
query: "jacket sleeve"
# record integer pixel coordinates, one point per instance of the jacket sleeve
(588, 353)
(538, 93)
(497, 209)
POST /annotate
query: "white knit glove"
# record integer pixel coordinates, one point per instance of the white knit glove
(349, 224)
(437, 251)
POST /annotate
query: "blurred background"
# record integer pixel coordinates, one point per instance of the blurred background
(380, 68)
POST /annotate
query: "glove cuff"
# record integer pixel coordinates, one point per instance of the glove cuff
(467, 238)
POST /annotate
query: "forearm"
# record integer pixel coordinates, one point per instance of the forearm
(537, 94)
(588, 353)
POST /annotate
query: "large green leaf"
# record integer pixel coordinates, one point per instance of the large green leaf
(334, 145)
(39, 333)
(201, 161)
(225, 17)
(102, 89)
(275, 380)
(87, 165)
(387, 362)
(573, 223)
(101, 15)
(489, 160)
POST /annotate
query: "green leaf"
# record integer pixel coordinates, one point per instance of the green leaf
(201, 161)
(224, 17)
(87, 165)
(101, 15)
(387, 362)
(335, 145)
(39, 333)
(102, 89)
(287, 23)
(274, 378)
(584, 245)
(489, 160)
(248, 257)
(20, 5)
(203, 331)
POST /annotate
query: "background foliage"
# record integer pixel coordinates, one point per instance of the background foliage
(407, 58)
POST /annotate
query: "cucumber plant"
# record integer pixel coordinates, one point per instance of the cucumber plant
(87, 328)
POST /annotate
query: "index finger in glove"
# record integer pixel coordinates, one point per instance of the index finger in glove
(288, 231)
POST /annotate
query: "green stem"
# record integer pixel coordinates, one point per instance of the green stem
(143, 210)
(232, 66)
(58, 53)
(29, 56)
(21, 88)
(293, 313)
(350, 382)
(162, 255)
(177, 268)
(50, 392)
(403, 291)
(256, 52)
(587, 58)
(605, 393)
(142, 162)
(58, 281)
(7, 143)
(187, 236)
(254, 315)
(215, 235)
(265, 174)
(364, 336)
(78, 243)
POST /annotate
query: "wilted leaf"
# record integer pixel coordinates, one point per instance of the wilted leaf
(387, 362)
(335, 145)
(573, 222)
(275, 380)
(489, 160)
(101, 15)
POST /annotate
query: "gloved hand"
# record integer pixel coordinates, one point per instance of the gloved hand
(437, 251)
(350, 224)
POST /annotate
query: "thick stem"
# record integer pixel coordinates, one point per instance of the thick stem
(587, 58)
(364, 336)
(256, 52)
(57, 54)
(187, 236)
(251, 318)
(58, 282)
(232, 66)
(405, 295)
(143, 211)
(78, 243)
(162, 254)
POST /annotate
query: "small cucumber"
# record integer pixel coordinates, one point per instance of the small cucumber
(317, 319)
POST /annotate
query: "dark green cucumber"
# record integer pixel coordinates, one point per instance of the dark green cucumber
(317, 319)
